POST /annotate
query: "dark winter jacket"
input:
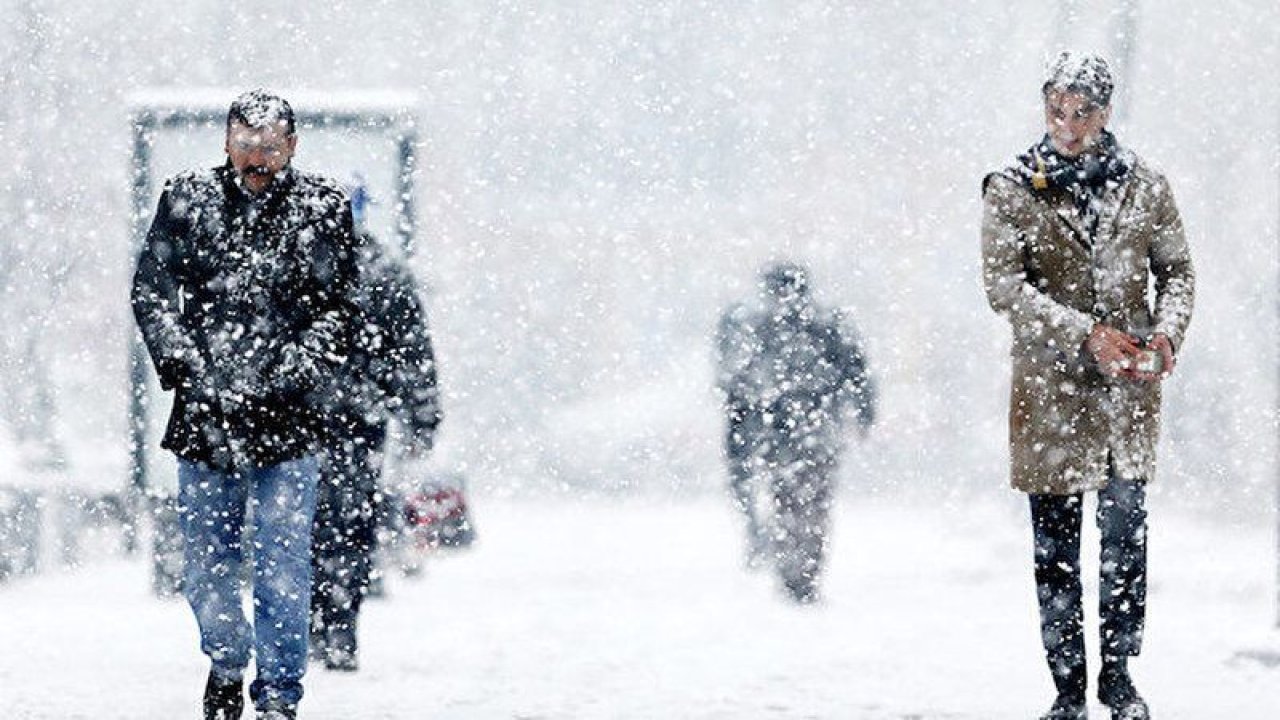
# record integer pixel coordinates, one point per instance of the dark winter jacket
(245, 306)
(391, 369)
(799, 370)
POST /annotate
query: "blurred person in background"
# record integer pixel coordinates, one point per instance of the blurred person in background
(1074, 231)
(791, 375)
(243, 294)
(390, 373)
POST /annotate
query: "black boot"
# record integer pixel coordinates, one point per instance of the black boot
(1071, 682)
(803, 591)
(340, 647)
(317, 643)
(1067, 707)
(1116, 691)
(223, 699)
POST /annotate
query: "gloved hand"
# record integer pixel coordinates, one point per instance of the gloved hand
(419, 443)
(197, 382)
(295, 371)
(209, 390)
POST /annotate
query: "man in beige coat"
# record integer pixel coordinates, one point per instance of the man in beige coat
(1072, 233)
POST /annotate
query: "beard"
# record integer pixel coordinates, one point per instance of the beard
(257, 172)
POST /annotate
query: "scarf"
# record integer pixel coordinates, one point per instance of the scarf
(1085, 177)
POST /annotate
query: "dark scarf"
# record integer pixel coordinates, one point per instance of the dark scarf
(1085, 177)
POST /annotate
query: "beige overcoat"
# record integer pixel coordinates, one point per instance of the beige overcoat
(1066, 420)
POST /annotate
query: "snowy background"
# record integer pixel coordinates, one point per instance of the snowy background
(597, 180)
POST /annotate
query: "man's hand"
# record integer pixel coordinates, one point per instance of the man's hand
(1114, 351)
(1159, 343)
(295, 370)
(418, 446)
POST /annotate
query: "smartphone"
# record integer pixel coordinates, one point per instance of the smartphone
(1149, 361)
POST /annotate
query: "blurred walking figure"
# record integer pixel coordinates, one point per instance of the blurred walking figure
(243, 294)
(791, 374)
(1073, 233)
(390, 372)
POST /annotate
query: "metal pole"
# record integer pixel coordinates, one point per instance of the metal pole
(1124, 42)
(405, 221)
(136, 493)
(1064, 23)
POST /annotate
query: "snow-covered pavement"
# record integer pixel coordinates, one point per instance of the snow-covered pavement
(640, 609)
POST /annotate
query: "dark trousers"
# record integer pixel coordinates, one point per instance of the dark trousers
(345, 533)
(797, 466)
(1122, 522)
(802, 489)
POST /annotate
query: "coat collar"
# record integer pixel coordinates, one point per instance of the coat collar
(1112, 175)
(1067, 214)
(1114, 198)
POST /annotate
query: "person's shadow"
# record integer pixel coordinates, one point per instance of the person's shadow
(1265, 658)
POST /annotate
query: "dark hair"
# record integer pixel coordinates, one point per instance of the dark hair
(782, 278)
(1086, 74)
(261, 108)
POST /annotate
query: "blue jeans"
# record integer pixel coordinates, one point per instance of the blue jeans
(213, 506)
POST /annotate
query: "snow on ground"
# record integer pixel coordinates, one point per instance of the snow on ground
(640, 609)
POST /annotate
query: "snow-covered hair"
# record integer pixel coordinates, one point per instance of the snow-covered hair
(1084, 73)
(785, 277)
(260, 108)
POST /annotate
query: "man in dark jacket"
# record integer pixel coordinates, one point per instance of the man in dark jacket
(242, 293)
(1075, 234)
(391, 372)
(791, 374)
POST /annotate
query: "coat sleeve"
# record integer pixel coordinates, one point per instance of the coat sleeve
(407, 371)
(734, 350)
(1031, 312)
(1169, 258)
(157, 302)
(858, 383)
